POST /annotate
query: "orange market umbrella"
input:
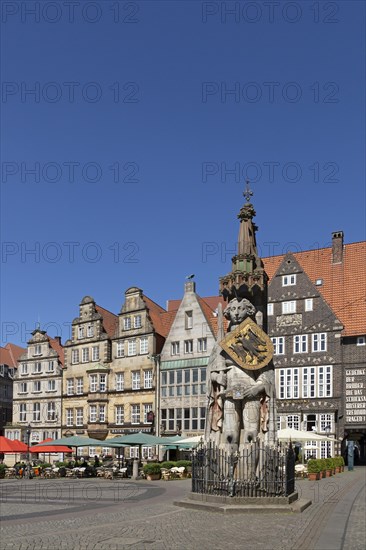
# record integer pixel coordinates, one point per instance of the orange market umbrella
(12, 445)
(48, 448)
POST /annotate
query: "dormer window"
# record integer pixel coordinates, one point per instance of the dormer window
(288, 280)
(361, 340)
(90, 331)
(38, 349)
(80, 332)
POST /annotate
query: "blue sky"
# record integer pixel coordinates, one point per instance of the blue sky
(144, 124)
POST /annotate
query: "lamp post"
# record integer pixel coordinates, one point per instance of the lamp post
(29, 430)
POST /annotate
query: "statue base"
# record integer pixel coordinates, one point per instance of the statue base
(242, 505)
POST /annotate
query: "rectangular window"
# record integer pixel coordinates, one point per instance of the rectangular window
(301, 343)
(90, 331)
(93, 382)
(36, 412)
(92, 413)
(85, 355)
(51, 366)
(24, 368)
(23, 387)
(69, 417)
(95, 353)
(102, 382)
(361, 341)
(120, 381)
(119, 414)
(289, 307)
(144, 345)
(70, 386)
(101, 413)
(189, 319)
(80, 332)
(137, 321)
(202, 344)
(175, 348)
(293, 421)
(319, 341)
(148, 379)
(278, 345)
(22, 412)
(127, 323)
(269, 309)
(188, 346)
(288, 280)
(51, 386)
(37, 368)
(79, 416)
(325, 381)
(38, 349)
(79, 386)
(120, 349)
(289, 383)
(131, 347)
(74, 356)
(187, 416)
(308, 382)
(51, 411)
(37, 386)
(147, 409)
(136, 380)
(309, 304)
(135, 414)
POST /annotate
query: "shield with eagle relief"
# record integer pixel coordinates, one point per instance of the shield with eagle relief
(248, 345)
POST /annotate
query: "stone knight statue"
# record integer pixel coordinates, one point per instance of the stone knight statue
(240, 373)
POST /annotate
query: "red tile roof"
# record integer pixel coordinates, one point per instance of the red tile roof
(110, 320)
(58, 347)
(10, 354)
(344, 284)
(161, 319)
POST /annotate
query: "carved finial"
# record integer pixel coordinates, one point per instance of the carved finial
(248, 192)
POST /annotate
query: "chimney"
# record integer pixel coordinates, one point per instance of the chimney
(58, 339)
(189, 286)
(337, 247)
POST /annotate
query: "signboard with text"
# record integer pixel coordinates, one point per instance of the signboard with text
(355, 396)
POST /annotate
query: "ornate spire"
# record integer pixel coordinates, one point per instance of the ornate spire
(247, 274)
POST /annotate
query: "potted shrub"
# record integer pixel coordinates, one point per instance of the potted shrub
(329, 465)
(2, 470)
(168, 464)
(313, 469)
(323, 467)
(152, 471)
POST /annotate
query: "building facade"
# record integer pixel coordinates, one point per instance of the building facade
(8, 367)
(183, 392)
(38, 390)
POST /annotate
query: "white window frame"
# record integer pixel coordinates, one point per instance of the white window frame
(135, 414)
(51, 385)
(93, 383)
(69, 417)
(75, 356)
(278, 345)
(361, 341)
(269, 309)
(102, 383)
(147, 409)
(137, 321)
(36, 412)
(144, 345)
(202, 345)
(319, 342)
(37, 368)
(37, 349)
(309, 305)
(51, 366)
(102, 413)
(189, 320)
(325, 381)
(37, 386)
(148, 379)
(69, 386)
(119, 414)
(175, 348)
(79, 385)
(90, 331)
(95, 353)
(79, 416)
(80, 332)
(188, 346)
(289, 280)
(293, 421)
(288, 307)
(136, 379)
(92, 413)
(22, 412)
(51, 411)
(120, 381)
(131, 347)
(23, 387)
(127, 323)
(85, 355)
(24, 368)
(120, 349)
(309, 382)
(300, 343)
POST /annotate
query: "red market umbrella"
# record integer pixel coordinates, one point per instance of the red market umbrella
(12, 446)
(49, 448)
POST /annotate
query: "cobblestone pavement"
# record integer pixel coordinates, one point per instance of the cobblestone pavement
(125, 514)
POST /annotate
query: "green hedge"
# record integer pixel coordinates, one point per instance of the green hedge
(168, 464)
(185, 463)
(152, 468)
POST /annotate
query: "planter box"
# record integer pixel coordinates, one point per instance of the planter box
(313, 476)
(152, 477)
(329, 473)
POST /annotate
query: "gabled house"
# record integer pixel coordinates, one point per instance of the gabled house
(8, 367)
